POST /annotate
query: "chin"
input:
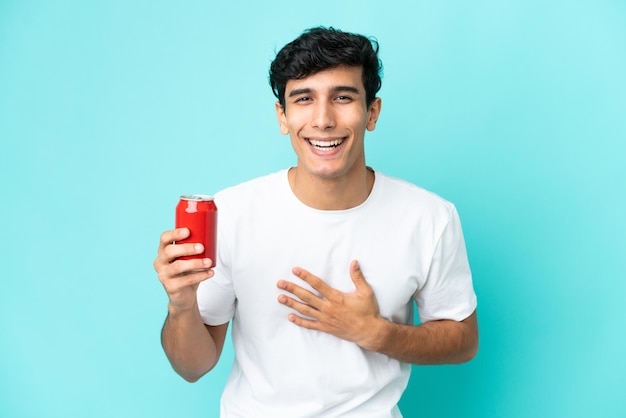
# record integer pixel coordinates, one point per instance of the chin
(328, 173)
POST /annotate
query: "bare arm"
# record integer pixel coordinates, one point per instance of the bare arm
(355, 317)
(192, 347)
(435, 342)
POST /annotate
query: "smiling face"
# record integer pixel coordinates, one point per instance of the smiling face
(326, 116)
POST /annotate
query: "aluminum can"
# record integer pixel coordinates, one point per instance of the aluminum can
(198, 213)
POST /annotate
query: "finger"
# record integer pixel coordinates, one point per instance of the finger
(174, 251)
(357, 275)
(185, 267)
(300, 307)
(177, 234)
(169, 254)
(363, 288)
(315, 282)
(167, 238)
(303, 294)
(179, 283)
(305, 323)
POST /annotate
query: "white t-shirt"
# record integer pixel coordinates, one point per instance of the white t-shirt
(409, 245)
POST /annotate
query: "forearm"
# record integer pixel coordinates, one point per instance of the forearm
(436, 342)
(188, 344)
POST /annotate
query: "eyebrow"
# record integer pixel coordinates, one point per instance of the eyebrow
(336, 89)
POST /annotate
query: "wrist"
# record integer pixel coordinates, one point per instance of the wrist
(175, 310)
(379, 333)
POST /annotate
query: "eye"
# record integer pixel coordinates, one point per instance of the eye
(302, 99)
(344, 99)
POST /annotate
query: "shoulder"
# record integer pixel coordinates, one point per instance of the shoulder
(400, 193)
(258, 188)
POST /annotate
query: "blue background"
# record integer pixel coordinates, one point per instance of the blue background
(109, 110)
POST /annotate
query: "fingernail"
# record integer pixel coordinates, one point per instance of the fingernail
(207, 262)
(198, 248)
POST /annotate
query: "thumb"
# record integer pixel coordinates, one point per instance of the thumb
(357, 275)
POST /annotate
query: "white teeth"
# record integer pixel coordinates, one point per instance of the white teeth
(325, 144)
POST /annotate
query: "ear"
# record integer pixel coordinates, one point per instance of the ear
(282, 119)
(373, 113)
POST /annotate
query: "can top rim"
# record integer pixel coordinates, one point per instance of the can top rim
(197, 197)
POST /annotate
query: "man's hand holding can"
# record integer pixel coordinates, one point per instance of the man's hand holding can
(187, 254)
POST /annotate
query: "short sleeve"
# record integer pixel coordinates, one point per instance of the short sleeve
(216, 300)
(448, 292)
(216, 296)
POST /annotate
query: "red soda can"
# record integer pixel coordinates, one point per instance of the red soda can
(198, 213)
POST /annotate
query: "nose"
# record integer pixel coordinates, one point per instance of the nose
(323, 116)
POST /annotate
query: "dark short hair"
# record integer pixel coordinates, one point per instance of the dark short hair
(319, 49)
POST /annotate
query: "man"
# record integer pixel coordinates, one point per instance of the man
(319, 265)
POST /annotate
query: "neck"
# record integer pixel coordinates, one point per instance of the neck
(331, 193)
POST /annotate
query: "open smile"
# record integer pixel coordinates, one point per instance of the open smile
(325, 145)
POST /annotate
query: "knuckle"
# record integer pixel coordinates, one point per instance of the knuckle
(165, 282)
(164, 274)
(165, 256)
(178, 267)
(174, 251)
(195, 278)
(329, 310)
(168, 251)
(156, 264)
(166, 237)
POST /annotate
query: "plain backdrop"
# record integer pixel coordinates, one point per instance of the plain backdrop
(109, 110)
